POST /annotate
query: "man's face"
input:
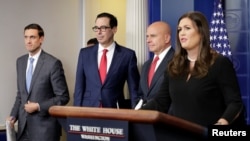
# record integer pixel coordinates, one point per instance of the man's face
(157, 39)
(105, 35)
(32, 40)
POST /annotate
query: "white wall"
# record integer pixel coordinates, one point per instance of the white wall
(62, 23)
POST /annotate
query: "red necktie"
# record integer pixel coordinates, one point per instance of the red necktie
(152, 70)
(103, 66)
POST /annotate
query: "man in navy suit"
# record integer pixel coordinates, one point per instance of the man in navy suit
(159, 42)
(48, 87)
(90, 91)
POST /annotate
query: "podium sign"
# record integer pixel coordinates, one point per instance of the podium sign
(86, 129)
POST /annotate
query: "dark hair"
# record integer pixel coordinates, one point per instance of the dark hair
(35, 26)
(112, 19)
(92, 41)
(179, 64)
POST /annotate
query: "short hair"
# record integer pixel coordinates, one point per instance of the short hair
(112, 19)
(35, 26)
(92, 41)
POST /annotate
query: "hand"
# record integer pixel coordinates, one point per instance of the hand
(31, 107)
(222, 121)
(11, 120)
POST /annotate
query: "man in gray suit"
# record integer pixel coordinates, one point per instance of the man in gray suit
(159, 43)
(48, 87)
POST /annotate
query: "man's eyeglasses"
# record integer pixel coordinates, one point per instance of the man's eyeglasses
(101, 28)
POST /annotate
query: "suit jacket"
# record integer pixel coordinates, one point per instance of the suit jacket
(89, 90)
(144, 91)
(48, 87)
(203, 100)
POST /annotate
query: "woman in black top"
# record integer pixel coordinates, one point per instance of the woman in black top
(200, 85)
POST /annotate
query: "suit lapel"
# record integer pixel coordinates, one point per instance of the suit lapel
(147, 67)
(115, 63)
(92, 62)
(23, 71)
(162, 67)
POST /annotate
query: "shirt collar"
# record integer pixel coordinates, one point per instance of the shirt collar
(109, 48)
(163, 53)
(36, 55)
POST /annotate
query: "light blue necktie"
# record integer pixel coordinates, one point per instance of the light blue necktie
(29, 74)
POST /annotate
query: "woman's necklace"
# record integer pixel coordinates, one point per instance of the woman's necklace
(192, 60)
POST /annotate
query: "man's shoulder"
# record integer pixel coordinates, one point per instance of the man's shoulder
(23, 56)
(124, 49)
(48, 56)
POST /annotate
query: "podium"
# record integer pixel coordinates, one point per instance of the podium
(89, 123)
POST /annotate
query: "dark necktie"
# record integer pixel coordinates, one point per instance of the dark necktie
(29, 74)
(103, 66)
(152, 70)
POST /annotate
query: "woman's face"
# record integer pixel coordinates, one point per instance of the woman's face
(189, 36)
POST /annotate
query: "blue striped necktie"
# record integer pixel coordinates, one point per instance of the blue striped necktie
(29, 74)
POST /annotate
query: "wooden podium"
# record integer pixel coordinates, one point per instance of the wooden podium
(88, 123)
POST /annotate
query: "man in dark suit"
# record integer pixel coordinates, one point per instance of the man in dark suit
(121, 67)
(159, 42)
(48, 87)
